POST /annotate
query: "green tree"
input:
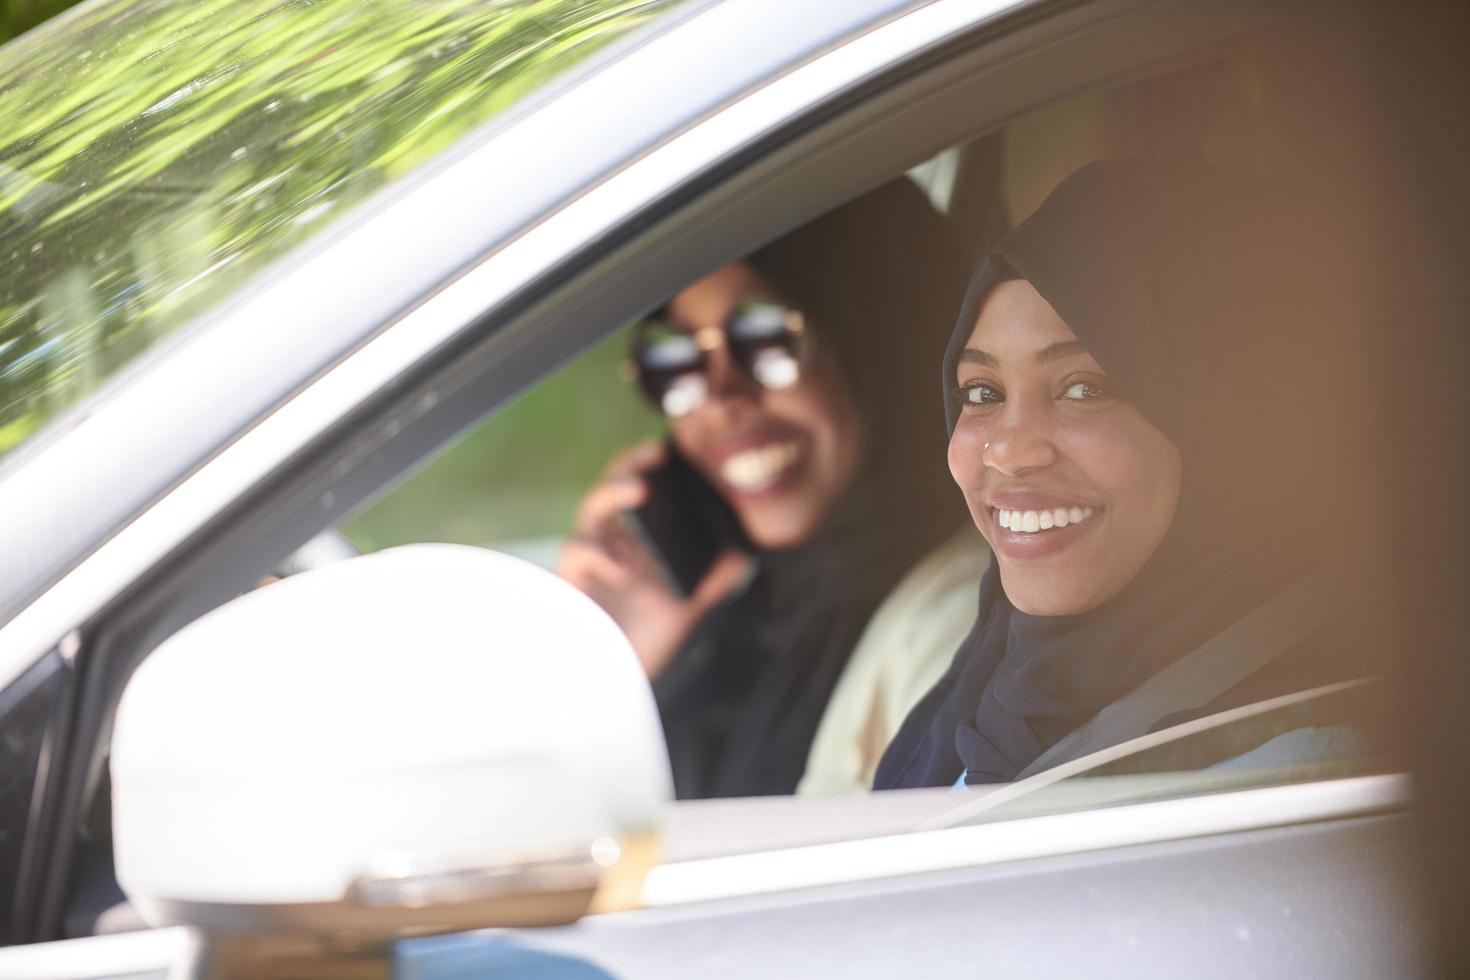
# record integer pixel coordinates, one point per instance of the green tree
(19, 16)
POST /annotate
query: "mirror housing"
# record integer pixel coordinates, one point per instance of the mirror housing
(428, 738)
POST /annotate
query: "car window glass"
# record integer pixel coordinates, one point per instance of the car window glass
(148, 168)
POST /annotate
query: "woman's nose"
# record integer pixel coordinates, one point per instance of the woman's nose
(1021, 440)
(727, 380)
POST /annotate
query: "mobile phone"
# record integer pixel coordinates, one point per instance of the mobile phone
(685, 522)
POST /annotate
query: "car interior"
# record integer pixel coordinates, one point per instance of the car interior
(471, 453)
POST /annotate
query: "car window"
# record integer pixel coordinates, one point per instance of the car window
(516, 482)
(149, 168)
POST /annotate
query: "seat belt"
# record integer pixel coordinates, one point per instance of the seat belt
(1207, 671)
(1199, 677)
(1001, 794)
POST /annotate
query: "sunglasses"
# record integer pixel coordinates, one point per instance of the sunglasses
(766, 340)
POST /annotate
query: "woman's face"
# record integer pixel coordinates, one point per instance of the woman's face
(783, 457)
(1071, 485)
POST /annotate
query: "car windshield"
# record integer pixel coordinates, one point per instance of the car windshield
(158, 154)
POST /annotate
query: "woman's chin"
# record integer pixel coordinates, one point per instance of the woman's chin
(1057, 591)
(1036, 593)
(1048, 603)
(1045, 609)
(776, 528)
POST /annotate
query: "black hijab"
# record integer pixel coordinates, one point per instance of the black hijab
(1179, 284)
(877, 279)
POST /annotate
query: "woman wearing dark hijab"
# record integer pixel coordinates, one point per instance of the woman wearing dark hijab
(817, 439)
(1141, 413)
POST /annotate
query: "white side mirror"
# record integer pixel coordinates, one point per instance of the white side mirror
(432, 737)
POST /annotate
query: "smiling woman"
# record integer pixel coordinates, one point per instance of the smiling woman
(782, 453)
(1129, 410)
(1060, 453)
(797, 385)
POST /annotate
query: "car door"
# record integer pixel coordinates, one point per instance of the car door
(848, 96)
(1246, 884)
(1259, 882)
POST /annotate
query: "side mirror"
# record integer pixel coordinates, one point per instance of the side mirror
(430, 738)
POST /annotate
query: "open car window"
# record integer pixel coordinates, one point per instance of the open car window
(515, 482)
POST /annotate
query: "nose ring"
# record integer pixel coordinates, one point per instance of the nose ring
(987, 446)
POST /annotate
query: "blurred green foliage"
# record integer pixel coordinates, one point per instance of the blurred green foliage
(19, 16)
(520, 474)
(156, 154)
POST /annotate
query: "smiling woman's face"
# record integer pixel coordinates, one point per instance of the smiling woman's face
(781, 457)
(1070, 484)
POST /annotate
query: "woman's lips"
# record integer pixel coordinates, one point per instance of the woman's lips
(760, 468)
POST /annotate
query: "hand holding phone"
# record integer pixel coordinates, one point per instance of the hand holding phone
(685, 522)
(652, 553)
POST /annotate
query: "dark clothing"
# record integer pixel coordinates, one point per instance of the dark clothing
(742, 701)
(1172, 281)
(878, 280)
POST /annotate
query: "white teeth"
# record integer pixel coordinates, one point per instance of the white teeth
(756, 469)
(1032, 521)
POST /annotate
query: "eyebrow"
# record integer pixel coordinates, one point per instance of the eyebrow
(1059, 351)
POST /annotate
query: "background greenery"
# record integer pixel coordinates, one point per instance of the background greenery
(19, 16)
(157, 154)
(514, 481)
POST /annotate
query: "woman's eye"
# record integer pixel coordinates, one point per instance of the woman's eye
(1085, 391)
(979, 393)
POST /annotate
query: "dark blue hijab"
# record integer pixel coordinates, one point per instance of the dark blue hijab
(1173, 280)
